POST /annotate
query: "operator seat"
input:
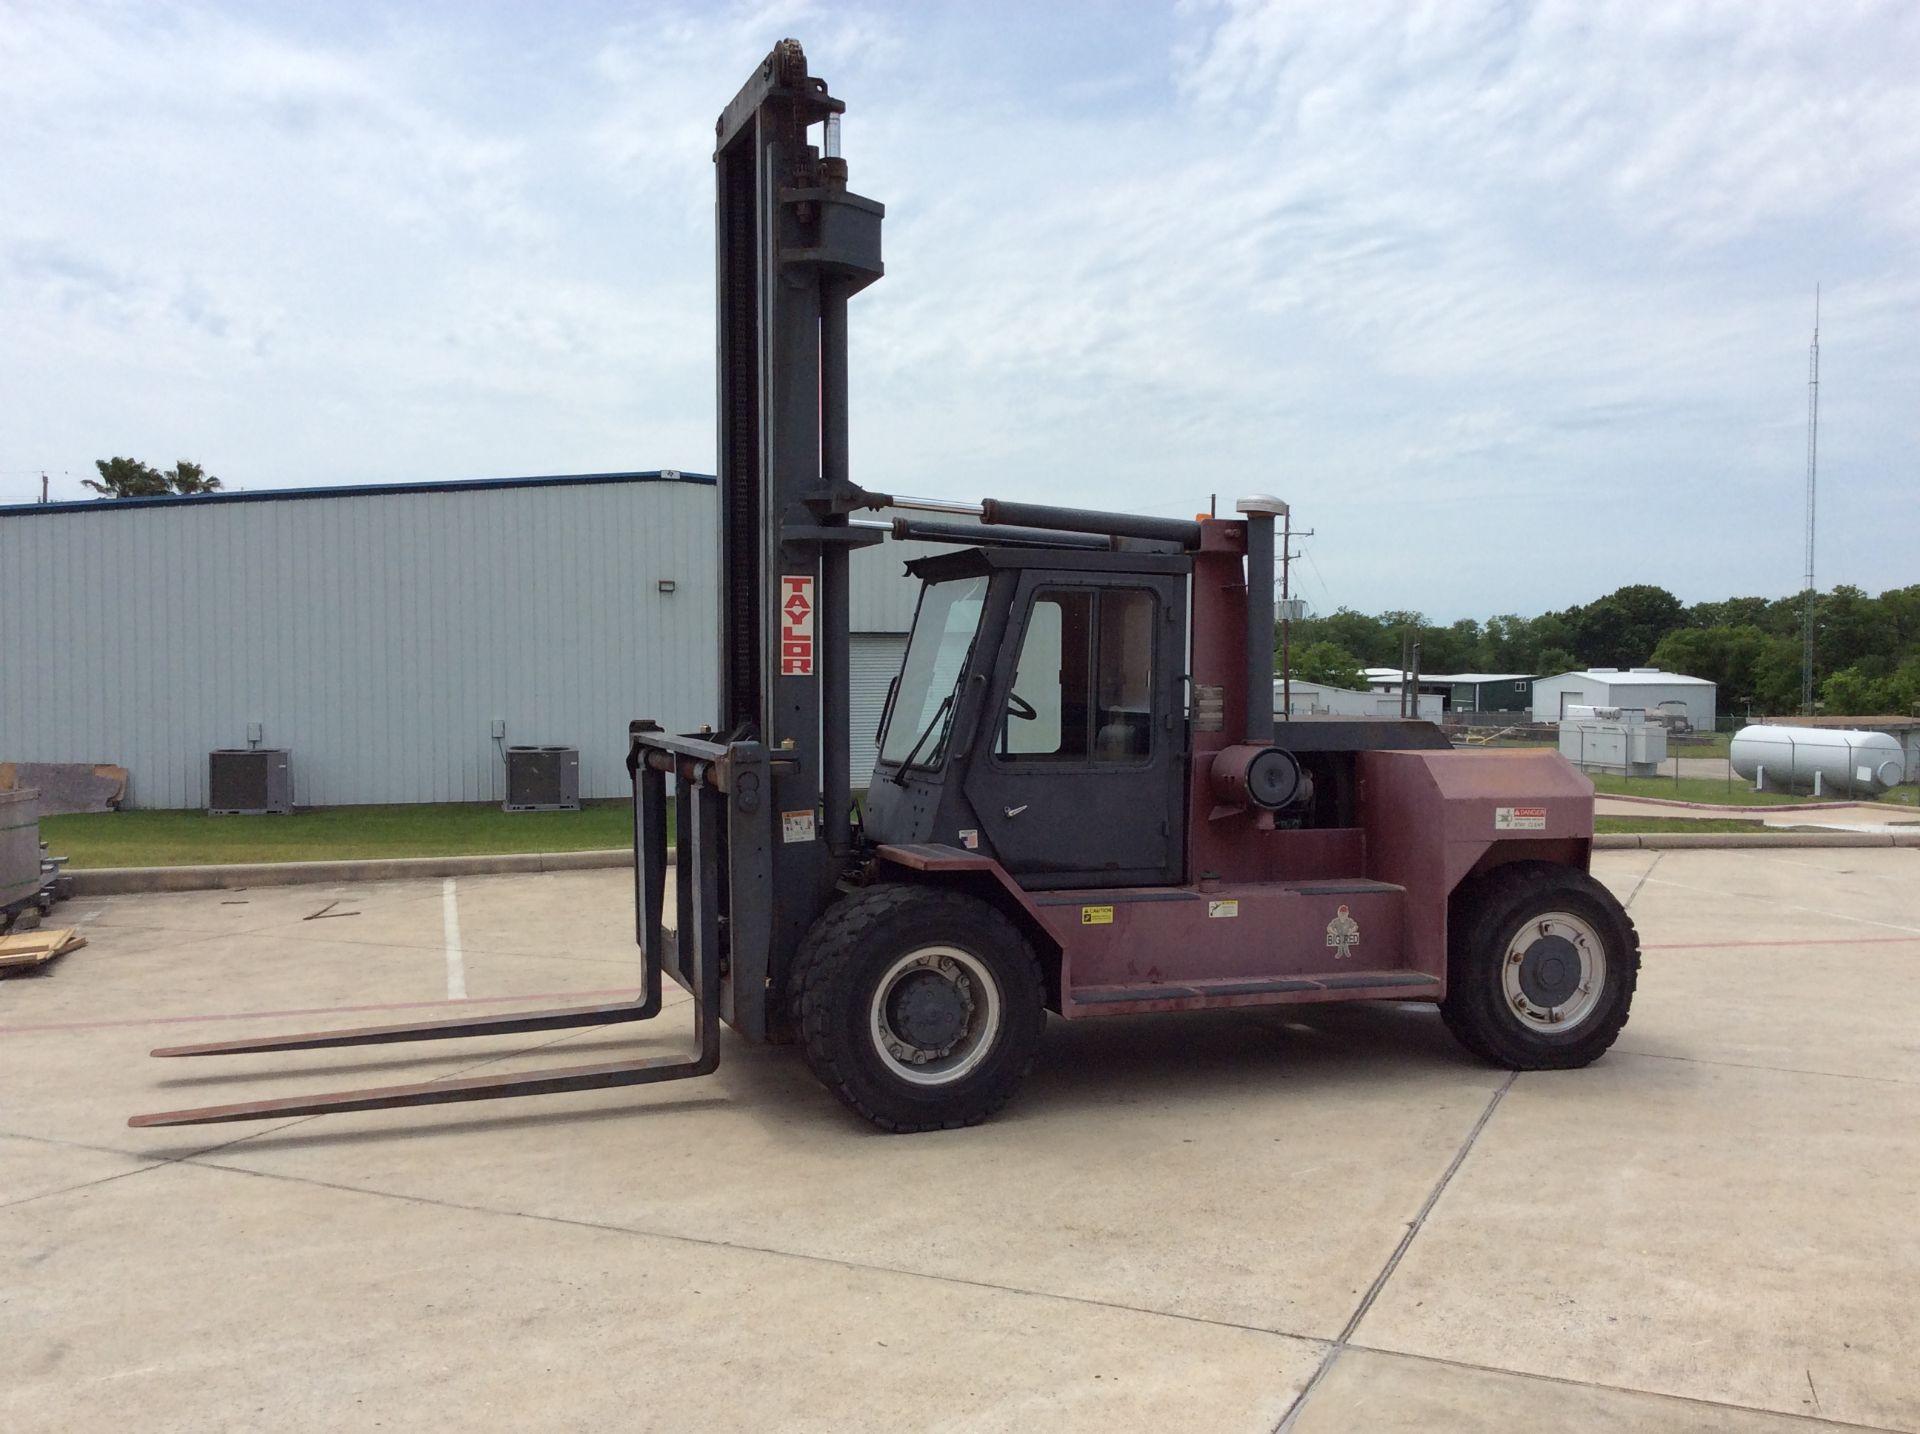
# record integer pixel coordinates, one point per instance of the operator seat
(1118, 740)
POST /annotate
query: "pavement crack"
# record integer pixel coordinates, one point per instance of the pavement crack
(740, 1247)
(1510, 1372)
(1657, 859)
(195, 1157)
(82, 1185)
(1414, 1227)
(1754, 1066)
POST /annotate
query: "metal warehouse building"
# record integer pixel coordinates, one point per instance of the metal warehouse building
(379, 633)
(1463, 691)
(1486, 691)
(1647, 688)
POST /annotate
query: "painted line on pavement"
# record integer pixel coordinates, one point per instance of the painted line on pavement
(1789, 905)
(450, 924)
(1808, 941)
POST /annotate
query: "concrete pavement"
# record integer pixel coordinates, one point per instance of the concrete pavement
(1319, 1220)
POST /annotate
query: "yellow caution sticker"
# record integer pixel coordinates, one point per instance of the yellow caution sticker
(1096, 916)
(1223, 908)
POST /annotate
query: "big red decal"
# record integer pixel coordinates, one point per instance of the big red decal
(796, 627)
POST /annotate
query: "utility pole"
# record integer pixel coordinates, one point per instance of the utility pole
(1286, 616)
(1287, 555)
(1813, 452)
(43, 485)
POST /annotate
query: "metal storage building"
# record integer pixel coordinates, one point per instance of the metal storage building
(1646, 688)
(1463, 691)
(380, 632)
(1317, 699)
(1486, 691)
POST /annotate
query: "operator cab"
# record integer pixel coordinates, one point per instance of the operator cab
(1039, 716)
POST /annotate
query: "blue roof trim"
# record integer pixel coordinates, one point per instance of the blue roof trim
(354, 490)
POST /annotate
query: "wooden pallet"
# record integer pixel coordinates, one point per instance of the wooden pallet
(35, 948)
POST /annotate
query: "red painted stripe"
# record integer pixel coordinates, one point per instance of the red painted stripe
(310, 1011)
(1821, 941)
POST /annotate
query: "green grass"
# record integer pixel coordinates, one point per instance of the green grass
(1738, 793)
(332, 834)
(1700, 744)
(1678, 824)
(146, 838)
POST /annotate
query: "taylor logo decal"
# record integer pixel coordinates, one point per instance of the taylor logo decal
(796, 626)
(1343, 933)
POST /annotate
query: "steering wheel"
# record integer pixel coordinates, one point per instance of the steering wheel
(1021, 708)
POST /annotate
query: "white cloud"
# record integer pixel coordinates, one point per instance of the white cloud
(1509, 300)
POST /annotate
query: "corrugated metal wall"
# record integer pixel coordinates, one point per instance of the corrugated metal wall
(882, 595)
(376, 634)
(873, 659)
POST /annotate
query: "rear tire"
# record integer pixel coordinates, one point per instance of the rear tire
(1542, 961)
(920, 1008)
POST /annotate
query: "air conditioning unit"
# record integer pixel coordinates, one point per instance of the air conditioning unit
(543, 779)
(249, 781)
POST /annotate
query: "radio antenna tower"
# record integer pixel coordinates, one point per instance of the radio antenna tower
(1813, 467)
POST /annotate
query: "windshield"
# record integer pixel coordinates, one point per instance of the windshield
(936, 657)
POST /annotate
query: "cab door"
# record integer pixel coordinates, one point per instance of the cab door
(1083, 780)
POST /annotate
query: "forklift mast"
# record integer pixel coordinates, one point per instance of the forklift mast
(792, 246)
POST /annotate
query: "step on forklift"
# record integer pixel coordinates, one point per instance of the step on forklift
(1083, 803)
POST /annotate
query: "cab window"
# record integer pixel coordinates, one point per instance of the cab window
(1083, 683)
(929, 683)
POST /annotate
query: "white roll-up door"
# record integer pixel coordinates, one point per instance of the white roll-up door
(872, 660)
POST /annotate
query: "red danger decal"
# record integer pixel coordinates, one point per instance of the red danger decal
(796, 627)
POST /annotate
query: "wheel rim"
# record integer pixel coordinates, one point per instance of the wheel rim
(1554, 971)
(935, 1015)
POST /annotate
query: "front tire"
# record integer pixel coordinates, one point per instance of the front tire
(920, 1008)
(1542, 962)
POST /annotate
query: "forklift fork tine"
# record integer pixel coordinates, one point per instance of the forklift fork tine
(702, 960)
(394, 1097)
(517, 1023)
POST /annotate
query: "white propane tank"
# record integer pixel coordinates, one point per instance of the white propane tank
(1847, 762)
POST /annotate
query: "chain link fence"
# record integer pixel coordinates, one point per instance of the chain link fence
(1703, 766)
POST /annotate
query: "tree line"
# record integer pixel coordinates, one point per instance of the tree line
(130, 478)
(1866, 649)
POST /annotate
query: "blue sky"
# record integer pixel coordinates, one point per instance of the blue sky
(1510, 301)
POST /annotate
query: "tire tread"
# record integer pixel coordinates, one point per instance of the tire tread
(1471, 1009)
(822, 961)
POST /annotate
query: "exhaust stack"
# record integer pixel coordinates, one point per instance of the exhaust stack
(1260, 510)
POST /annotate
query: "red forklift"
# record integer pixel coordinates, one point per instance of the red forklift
(1083, 802)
